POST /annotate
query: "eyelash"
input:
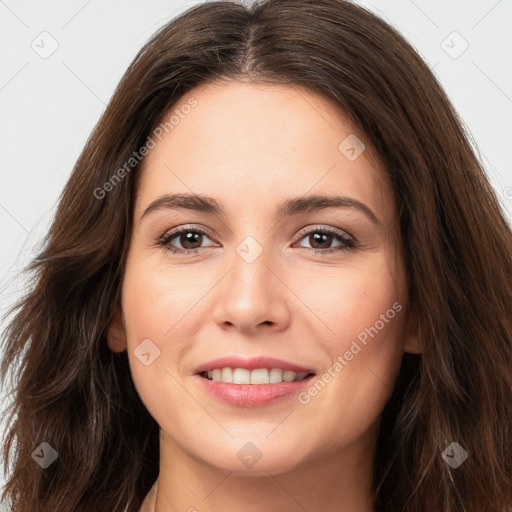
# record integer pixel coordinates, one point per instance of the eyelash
(349, 243)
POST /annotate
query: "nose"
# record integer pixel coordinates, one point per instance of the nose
(252, 296)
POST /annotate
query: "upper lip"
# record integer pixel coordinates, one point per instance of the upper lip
(251, 364)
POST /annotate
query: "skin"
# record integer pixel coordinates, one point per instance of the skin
(251, 146)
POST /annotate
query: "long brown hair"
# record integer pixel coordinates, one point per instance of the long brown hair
(72, 392)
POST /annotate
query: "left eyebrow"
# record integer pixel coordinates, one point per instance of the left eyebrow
(309, 203)
(292, 206)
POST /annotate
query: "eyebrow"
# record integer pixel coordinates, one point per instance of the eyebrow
(292, 206)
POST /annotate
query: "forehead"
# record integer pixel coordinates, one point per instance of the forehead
(248, 144)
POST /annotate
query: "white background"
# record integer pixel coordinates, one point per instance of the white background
(49, 106)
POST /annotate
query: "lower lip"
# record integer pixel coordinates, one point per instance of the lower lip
(252, 395)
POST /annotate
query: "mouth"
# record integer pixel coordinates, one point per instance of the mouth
(253, 382)
(241, 387)
(233, 369)
(257, 376)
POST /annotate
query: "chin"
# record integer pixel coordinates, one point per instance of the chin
(252, 459)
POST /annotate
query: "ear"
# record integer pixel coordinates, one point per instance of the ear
(413, 345)
(412, 342)
(116, 336)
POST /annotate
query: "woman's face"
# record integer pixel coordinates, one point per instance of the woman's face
(264, 271)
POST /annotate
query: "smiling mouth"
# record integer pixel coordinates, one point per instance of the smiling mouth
(257, 376)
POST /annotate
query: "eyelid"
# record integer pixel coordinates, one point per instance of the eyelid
(347, 239)
(172, 232)
(321, 227)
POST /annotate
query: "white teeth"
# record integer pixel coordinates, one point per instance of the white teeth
(257, 376)
(276, 375)
(241, 376)
(288, 376)
(227, 375)
(260, 376)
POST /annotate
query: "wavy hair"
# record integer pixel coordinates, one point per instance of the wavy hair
(70, 390)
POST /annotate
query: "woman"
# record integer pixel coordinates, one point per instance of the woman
(278, 279)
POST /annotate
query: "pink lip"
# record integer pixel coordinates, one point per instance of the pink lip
(251, 395)
(251, 364)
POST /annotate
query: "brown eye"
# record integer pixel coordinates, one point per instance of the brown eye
(184, 240)
(189, 239)
(321, 240)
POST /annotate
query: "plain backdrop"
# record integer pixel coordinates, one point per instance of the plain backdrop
(61, 60)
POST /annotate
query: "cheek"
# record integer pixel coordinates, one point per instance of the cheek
(347, 301)
(364, 311)
(376, 321)
(156, 298)
(152, 307)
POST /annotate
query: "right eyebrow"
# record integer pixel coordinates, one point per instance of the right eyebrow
(189, 201)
